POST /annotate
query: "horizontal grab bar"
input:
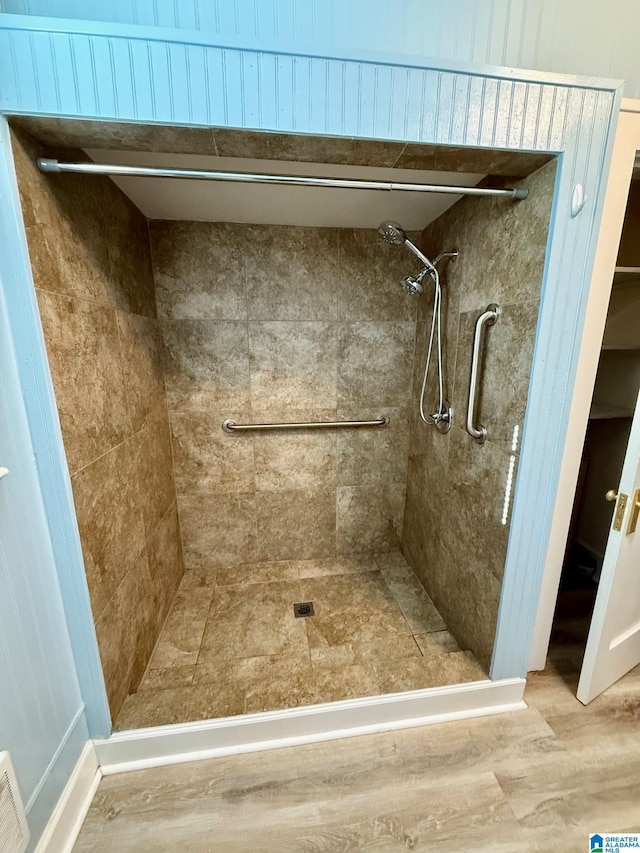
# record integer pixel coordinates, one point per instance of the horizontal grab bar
(230, 425)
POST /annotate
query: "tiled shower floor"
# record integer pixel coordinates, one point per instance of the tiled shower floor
(232, 645)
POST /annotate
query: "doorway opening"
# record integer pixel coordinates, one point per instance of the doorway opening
(611, 416)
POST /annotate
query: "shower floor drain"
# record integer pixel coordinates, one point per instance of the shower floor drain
(304, 608)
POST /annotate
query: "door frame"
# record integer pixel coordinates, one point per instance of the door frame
(113, 72)
(626, 143)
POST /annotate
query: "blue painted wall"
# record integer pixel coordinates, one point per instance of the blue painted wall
(42, 719)
(563, 36)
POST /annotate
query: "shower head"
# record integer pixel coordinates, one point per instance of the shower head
(411, 285)
(392, 233)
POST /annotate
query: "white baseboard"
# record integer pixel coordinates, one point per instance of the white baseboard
(64, 825)
(162, 745)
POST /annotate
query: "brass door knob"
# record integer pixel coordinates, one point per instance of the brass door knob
(611, 495)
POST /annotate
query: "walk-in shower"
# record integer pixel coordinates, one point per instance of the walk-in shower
(392, 232)
(323, 486)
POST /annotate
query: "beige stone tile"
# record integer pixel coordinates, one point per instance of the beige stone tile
(486, 161)
(125, 634)
(126, 233)
(256, 671)
(418, 609)
(88, 376)
(369, 519)
(391, 650)
(155, 472)
(198, 578)
(293, 364)
(304, 148)
(86, 239)
(117, 135)
(470, 605)
(181, 636)
(375, 363)
(206, 364)
(373, 456)
(207, 459)
(166, 564)
(110, 520)
(299, 689)
(295, 524)
(180, 705)
(418, 673)
(141, 346)
(217, 529)
(246, 574)
(436, 643)
(423, 515)
(173, 676)
(509, 232)
(199, 270)
(355, 608)
(296, 459)
(67, 227)
(343, 564)
(291, 273)
(253, 621)
(477, 478)
(370, 275)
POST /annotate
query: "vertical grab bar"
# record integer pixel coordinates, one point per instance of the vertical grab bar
(487, 318)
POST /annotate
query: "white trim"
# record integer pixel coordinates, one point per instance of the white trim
(64, 825)
(162, 745)
(627, 141)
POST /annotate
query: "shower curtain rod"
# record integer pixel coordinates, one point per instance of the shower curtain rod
(46, 164)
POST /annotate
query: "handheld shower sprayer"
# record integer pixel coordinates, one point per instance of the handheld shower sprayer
(392, 232)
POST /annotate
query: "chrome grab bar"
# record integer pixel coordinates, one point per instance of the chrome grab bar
(230, 425)
(487, 318)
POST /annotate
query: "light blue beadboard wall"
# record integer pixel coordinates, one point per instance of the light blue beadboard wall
(567, 36)
(42, 720)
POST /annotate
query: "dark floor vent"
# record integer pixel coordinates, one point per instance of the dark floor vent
(304, 608)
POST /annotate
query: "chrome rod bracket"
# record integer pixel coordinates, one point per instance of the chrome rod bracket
(487, 318)
(230, 426)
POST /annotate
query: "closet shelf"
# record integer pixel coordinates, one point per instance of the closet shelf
(600, 412)
(626, 275)
(616, 348)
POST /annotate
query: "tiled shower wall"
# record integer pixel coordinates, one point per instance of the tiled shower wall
(457, 515)
(271, 323)
(91, 264)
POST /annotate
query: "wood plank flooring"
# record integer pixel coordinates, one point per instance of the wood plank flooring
(534, 780)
